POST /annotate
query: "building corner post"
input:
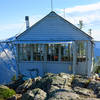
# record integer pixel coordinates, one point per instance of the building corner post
(90, 61)
(74, 56)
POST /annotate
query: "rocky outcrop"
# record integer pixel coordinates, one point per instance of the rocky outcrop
(95, 86)
(84, 91)
(25, 86)
(64, 95)
(55, 81)
(57, 87)
(15, 97)
(35, 94)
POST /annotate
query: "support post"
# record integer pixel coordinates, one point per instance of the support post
(45, 52)
(59, 56)
(89, 58)
(92, 57)
(74, 56)
(31, 52)
(17, 58)
(86, 49)
(45, 59)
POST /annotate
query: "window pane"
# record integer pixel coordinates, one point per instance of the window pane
(52, 52)
(81, 51)
(25, 52)
(38, 53)
(66, 52)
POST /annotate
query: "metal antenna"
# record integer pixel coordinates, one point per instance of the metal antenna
(51, 5)
(64, 13)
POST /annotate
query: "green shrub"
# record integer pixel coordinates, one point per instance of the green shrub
(13, 78)
(6, 93)
(73, 77)
(97, 69)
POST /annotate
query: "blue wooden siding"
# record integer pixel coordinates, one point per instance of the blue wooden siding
(45, 67)
(53, 28)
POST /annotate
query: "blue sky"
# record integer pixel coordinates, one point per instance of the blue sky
(12, 13)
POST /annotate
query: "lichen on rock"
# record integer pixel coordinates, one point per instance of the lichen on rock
(5, 92)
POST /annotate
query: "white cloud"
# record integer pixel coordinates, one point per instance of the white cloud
(82, 8)
(87, 19)
(96, 34)
(87, 13)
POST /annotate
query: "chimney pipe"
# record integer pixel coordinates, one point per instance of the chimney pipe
(27, 21)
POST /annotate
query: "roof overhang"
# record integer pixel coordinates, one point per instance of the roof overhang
(41, 42)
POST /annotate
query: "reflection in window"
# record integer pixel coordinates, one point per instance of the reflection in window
(45, 52)
(38, 54)
(81, 51)
(52, 52)
(66, 52)
(30, 52)
(25, 52)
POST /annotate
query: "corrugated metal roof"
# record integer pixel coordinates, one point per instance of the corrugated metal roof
(53, 28)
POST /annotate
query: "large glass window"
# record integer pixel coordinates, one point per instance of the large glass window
(31, 52)
(45, 52)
